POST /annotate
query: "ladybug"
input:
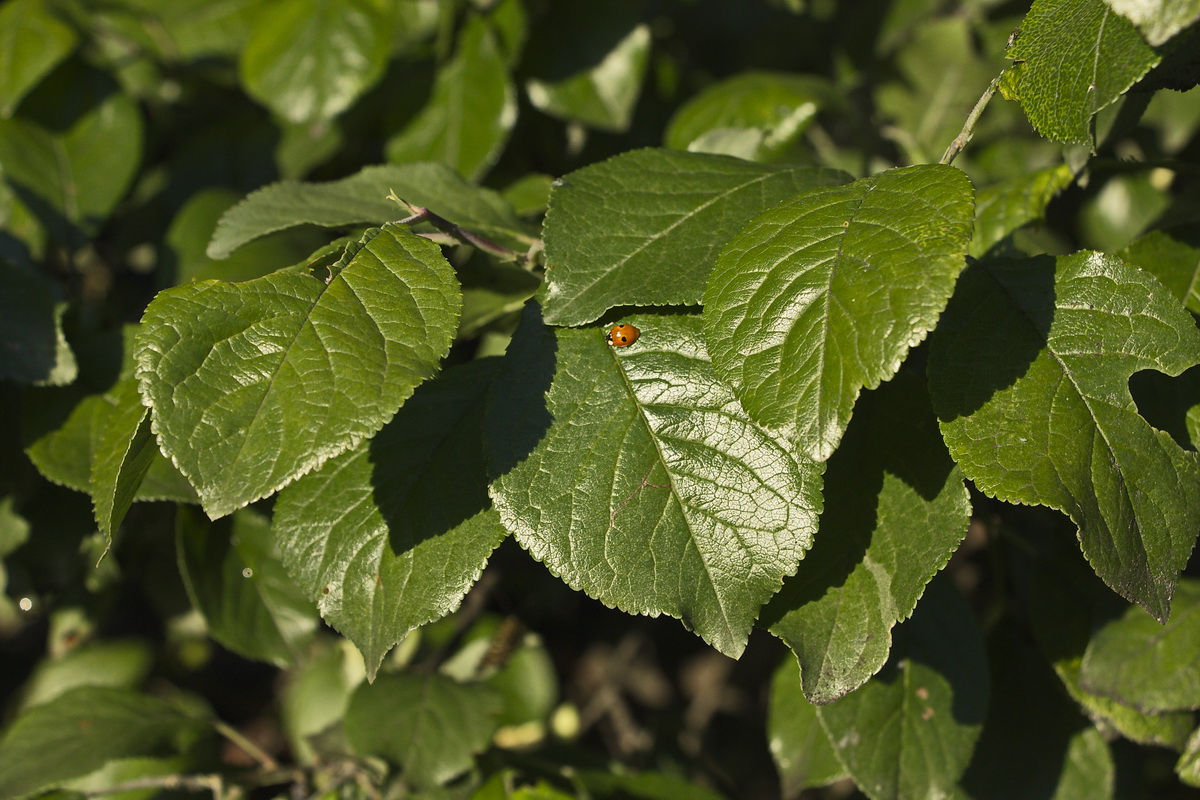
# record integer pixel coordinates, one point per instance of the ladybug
(622, 335)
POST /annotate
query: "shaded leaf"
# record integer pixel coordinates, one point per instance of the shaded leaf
(72, 152)
(33, 348)
(1029, 374)
(471, 113)
(253, 384)
(645, 227)
(642, 482)
(1151, 666)
(798, 743)
(824, 295)
(910, 731)
(1158, 20)
(596, 80)
(773, 108)
(428, 724)
(896, 509)
(309, 60)
(122, 664)
(32, 42)
(362, 199)
(235, 579)
(1073, 58)
(1172, 257)
(1005, 207)
(392, 534)
(84, 729)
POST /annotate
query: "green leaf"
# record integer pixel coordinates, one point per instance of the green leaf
(72, 152)
(639, 480)
(32, 42)
(123, 664)
(798, 743)
(309, 60)
(318, 691)
(896, 509)
(824, 295)
(595, 80)
(645, 227)
(428, 724)
(1073, 58)
(1158, 20)
(392, 534)
(910, 731)
(236, 580)
(33, 348)
(1012, 204)
(253, 384)
(471, 113)
(1029, 374)
(773, 108)
(1151, 666)
(121, 457)
(1067, 603)
(1188, 766)
(84, 729)
(184, 258)
(1172, 257)
(362, 199)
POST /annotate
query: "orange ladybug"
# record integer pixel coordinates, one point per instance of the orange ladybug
(622, 335)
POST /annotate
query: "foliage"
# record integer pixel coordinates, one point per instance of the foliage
(303, 316)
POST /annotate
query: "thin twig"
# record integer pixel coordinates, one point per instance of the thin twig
(968, 129)
(188, 783)
(251, 749)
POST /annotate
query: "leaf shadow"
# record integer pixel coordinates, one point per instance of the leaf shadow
(517, 416)
(993, 329)
(427, 463)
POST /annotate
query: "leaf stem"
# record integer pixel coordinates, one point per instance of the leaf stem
(458, 233)
(968, 129)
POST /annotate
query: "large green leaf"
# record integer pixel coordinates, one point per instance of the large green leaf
(428, 724)
(235, 579)
(895, 510)
(587, 60)
(32, 41)
(1029, 373)
(1071, 59)
(1153, 667)
(910, 731)
(308, 60)
(639, 480)
(362, 199)
(253, 384)
(72, 152)
(1158, 20)
(33, 348)
(824, 295)
(472, 110)
(645, 227)
(392, 534)
(84, 729)
(751, 115)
